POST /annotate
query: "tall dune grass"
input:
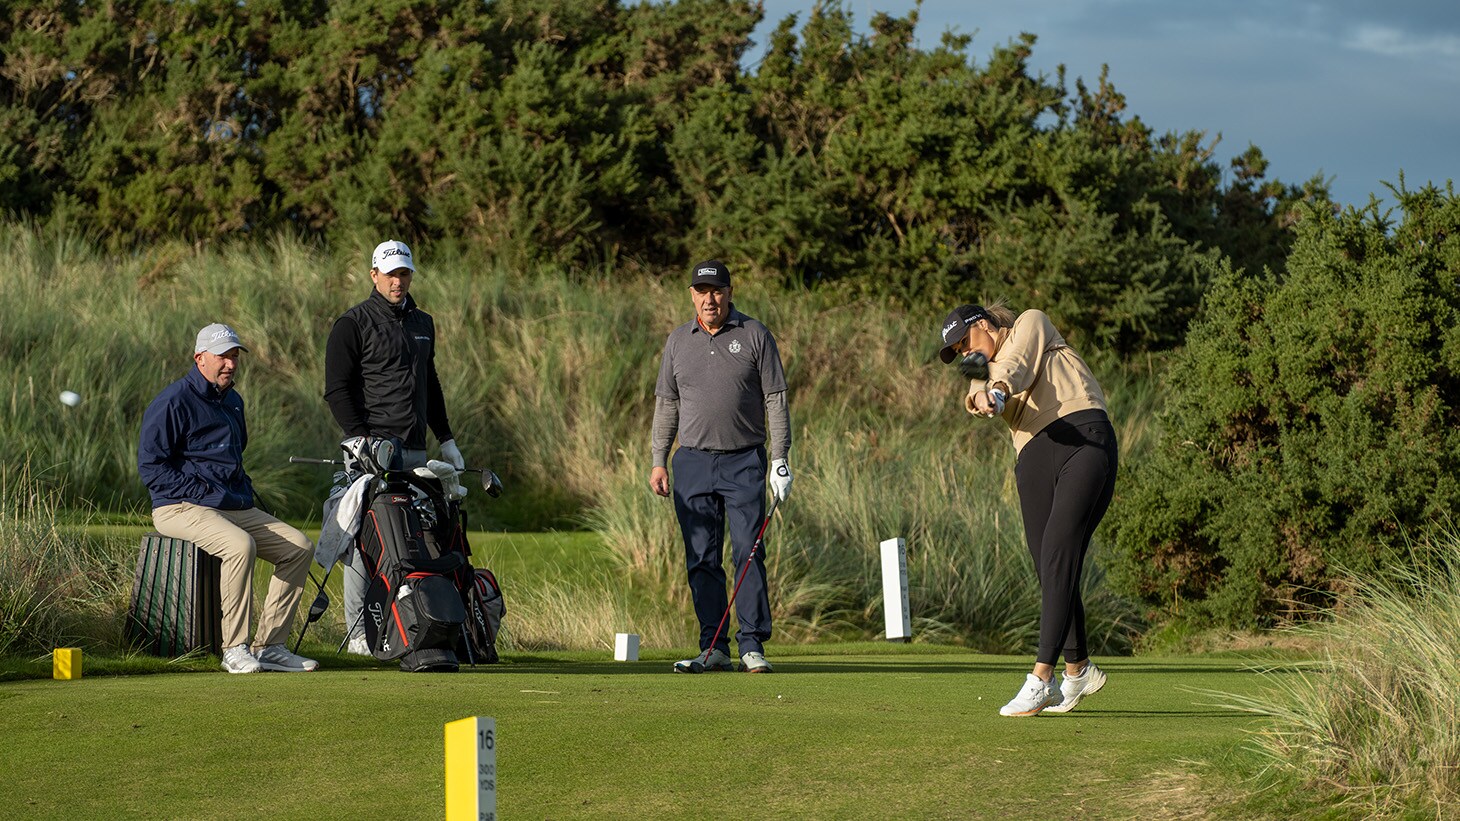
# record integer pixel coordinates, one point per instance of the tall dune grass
(57, 588)
(1376, 722)
(549, 377)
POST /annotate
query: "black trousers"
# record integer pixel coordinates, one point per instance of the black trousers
(1066, 477)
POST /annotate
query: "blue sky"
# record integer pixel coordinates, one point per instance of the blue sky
(1354, 90)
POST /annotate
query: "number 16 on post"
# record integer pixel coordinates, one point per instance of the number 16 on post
(471, 769)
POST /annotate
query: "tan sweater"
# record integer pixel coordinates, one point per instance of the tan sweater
(1046, 378)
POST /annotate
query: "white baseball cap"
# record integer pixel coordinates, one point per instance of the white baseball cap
(217, 339)
(391, 255)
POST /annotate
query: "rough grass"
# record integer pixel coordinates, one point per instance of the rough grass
(58, 585)
(1373, 722)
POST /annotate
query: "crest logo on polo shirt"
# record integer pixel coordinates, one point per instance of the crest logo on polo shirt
(734, 346)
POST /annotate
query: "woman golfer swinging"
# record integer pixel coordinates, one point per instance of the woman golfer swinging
(1022, 370)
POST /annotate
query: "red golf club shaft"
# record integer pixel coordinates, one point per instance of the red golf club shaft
(759, 538)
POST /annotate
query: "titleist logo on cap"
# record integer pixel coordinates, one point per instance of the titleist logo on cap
(394, 252)
(707, 272)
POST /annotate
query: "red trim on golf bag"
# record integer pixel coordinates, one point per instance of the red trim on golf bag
(485, 609)
(413, 576)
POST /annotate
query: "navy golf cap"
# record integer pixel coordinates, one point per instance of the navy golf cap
(955, 328)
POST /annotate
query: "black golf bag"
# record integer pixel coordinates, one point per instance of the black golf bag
(480, 595)
(414, 605)
(484, 611)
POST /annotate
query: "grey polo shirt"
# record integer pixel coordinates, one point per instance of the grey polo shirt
(721, 382)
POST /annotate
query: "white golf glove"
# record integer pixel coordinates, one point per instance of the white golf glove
(998, 397)
(448, 475)
(780, 479)
(451, 453)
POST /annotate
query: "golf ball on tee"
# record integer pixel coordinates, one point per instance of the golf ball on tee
(70, 398)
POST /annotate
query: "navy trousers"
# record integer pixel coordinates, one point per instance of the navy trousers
(712, 490)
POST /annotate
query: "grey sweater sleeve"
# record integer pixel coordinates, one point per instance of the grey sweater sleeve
(778, 422)
(666, 425)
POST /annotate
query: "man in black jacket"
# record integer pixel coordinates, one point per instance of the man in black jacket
(380, 382)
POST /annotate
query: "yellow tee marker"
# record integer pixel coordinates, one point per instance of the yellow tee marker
(66, 663)
(471, 769)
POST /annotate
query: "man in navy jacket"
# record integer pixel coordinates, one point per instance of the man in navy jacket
(191, 458)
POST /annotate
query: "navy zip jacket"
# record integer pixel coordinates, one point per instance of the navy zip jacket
(192, 444)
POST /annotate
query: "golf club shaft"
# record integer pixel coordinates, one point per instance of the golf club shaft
(308, 460)
(307, 620)
(759, 538)
(351, 626)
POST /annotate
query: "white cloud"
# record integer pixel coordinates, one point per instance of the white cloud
(1388, 41)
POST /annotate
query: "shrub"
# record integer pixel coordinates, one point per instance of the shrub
(1312, 420)
(544, 131)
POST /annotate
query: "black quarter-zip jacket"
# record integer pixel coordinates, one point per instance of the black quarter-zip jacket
(380, 373)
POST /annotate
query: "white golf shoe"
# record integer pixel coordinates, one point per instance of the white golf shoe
(754, 662)
(716, 661)
(1075, 688)
(239, 660)
(1036, 695)
(276, 657)
(358, 646)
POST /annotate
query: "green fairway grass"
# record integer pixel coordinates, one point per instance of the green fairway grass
(839, 731)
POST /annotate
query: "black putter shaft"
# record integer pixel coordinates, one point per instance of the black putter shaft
(759, 539)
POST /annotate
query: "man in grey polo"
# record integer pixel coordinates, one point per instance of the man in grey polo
(720, 387)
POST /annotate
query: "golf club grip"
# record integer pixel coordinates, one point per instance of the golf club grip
(306, 460)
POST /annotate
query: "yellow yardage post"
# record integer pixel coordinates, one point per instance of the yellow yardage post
(471, 769)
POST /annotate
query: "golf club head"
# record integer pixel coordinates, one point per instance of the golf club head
(974, 366)
(320, 604)
(491, 484)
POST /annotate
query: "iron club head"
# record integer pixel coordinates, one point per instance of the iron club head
(320, 604)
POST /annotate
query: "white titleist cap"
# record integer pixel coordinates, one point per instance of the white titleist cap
(217, 339)
(391, 255)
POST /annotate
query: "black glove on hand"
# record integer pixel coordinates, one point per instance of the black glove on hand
(974, 366)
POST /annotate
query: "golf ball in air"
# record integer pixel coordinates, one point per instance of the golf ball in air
(70, 398)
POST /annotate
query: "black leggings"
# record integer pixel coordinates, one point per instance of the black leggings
(1066, 476)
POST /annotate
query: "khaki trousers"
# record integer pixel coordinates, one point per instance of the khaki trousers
(237, 537)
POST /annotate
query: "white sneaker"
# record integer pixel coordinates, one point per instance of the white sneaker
(715, 662)
(277, 657)
(1075, 688)
(359, 646)
(1036, 696)
(240, 660)
(754, 662)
